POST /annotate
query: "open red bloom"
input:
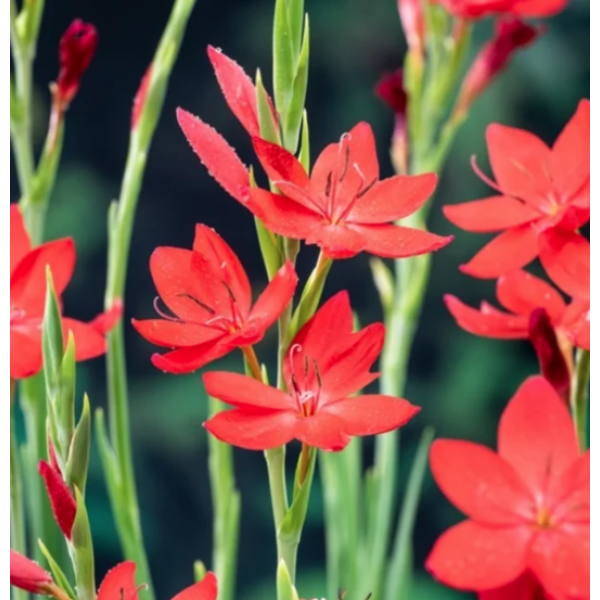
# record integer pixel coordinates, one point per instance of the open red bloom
(28, 575)
(473, 9)
(209, 294)
(528, 505)
(119, 584)
(76, 50)
(343, 207)
(525, 587)
(520, 293)
(27, 298)
(540, 190)
(325, 364)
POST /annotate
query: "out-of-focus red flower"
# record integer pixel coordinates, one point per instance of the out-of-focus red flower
(209, 294)
(27, 298)
(343, 207)
(325, 364)
(390, 88)
(119, 584)
(413, 24)
(61, 498)
(76, 50)
(474, 9)
(28, 575)
(510, 36)
(525, 587)
(140, 97)
(528, 506)
(540, 190)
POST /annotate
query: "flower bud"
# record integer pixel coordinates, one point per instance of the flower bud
(413, 24)
(28, 575)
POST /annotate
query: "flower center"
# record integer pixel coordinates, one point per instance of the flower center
(544, 518)
(306, 385)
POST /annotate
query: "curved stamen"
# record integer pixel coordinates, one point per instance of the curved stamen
(483, 176)
(163, 314)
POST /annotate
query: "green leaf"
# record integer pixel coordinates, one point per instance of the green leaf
(268, 127)
(65, 398)
(296, 18)
(304, 156)
(57, 573)
(110, 466)
(399, 572)
(284, 58)
(292, 117)
(384, 282)
(79, 452)
(285, 587)
(83, 552)
(52, 337)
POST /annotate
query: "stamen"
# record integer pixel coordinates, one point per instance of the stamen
(346, 151)
(206, 307)
(318, 374)
(328, 184)
(483, 176)
(163, 314)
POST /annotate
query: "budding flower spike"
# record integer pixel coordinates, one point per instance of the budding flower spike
(539, 190)
(325, 365)
(209, 294)
(28, 575)
(343, 207)
(27, 297)
(528, 506)
(474, 9)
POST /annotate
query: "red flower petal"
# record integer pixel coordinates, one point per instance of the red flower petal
(140, 97)
(283, 215)
(509, 251)
(521, 293)
(525, 587)
(27, 575)
(253, 430)
(207, 589)
(25, 352)
(28, 281)
(470, 556)
(486, 324)
(566, 257)
(19, 239)
(172, 334)
(242, 391)
(108, 320)
(62, 501)
(561, 560)
(216, 155)
(480, 483)
(538, 8)
(188, 360)
(371, 414)
(519, 160)
(279, 164)
(89, 342)
(490, 214)
(238, 89)
(337, 241)
(322, 430)
(570, 158)
(393, 198)
(220, 272)
(276, 296)
(569, 495)
(119, 583)
(391, 241)
(536, 434)
(363, 153)
(576, 323)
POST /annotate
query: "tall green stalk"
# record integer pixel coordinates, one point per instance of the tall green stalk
(580, 396)
(124, 495)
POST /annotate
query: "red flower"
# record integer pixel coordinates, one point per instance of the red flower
(473, 9)
(343, 207)
(119, 584)
(76, 50)
(61, 498)
(522, 294)
(209, 293)
(28, 575)
(528, 505)
(540, 190)
(413, 24)
(27, 298)
(510, 35)
(525, 587)
(325, 364)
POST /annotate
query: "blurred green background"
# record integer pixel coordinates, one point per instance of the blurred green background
(462, 382)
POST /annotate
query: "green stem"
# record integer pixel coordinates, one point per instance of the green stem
(17, 517)
(580, 396)
(121, 226)
(279, 499)
(226, 510)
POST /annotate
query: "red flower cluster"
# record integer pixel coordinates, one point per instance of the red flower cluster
(27, 298)
(473, 9)
(528, 505)
(118, 583)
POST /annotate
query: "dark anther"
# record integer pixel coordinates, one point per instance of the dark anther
(318, 374)
(206, 307)
(305, 366)
(229, 291)
(328, 184)
(295, 385)
(366, 188)
(346, 162)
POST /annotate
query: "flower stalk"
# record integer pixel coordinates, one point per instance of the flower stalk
(580, 396)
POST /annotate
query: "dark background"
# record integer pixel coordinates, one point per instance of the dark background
(462, 382)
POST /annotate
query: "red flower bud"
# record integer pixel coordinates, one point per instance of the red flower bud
(553, 364)
(510, 35)
(76, 50)
(28, 575)
(413, 23)
(61, 498)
